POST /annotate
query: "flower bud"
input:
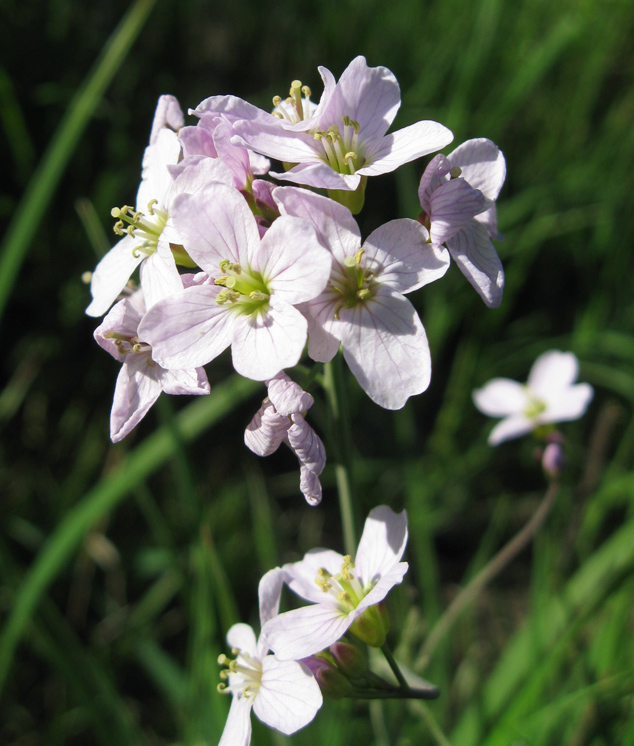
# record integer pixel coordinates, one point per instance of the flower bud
(332, 682)
(349, 659)
(553, 460)
(372, 626)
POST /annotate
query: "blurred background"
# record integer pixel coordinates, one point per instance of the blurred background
(123, 566)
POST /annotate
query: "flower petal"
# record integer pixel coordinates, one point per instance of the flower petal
(300, 576)
(401, 258)
(475, 255)
(510, 427)
(242, 637)
(189, 329)
(266, 431)
(265, 344)
(311, 453)
(482, 164)
(123, 319)
(569, 404)
(168, 114)
(159, 276)
(553, 371)
(316, 173)
(136, 391)
(192, 381)
(269, 594)
(392, 577)
(111, 275)
(382, 544)
(287, 396)
(302, 632)
(289, 697)
(385, 346)
(501, 397)
(237, 731)
(452, 206)
(403, 146)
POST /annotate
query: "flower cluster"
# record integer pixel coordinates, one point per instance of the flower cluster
(309, 658)
(227, 258)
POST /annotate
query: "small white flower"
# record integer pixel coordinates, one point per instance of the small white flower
(283, 694)
(340, 590)
(550, 395)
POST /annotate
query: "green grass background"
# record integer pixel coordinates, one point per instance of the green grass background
(123, 566)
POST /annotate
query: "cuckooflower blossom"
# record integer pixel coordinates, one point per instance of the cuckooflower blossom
(149, 238)
(253, 287)
(342, 139)
(283, 694)
(550, 395)
(281, 418)
(457, 193)
(340, 590)
(140, 379)
(363, 306)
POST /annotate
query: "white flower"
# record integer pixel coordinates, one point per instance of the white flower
(283, 694)
(550, 395)
(339, 589)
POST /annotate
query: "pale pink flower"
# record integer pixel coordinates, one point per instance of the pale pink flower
(254, 285)
(281, 419)
(339, 589)
(343, 138)
(457, 193)
(283, 694)
(140, 380)
(363, 307)
(550, 395)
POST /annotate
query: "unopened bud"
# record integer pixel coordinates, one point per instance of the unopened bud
(372, 626)
(349, 659)
(332, 682)
(553, 460)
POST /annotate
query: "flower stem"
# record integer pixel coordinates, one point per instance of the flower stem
(394, 666)
(506, 555)
(340, 436)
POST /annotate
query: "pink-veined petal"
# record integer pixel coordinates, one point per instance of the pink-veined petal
(242, 637)
(123, 319)
(482, 164)
(452, 206)
(311, 453)
(269, 594)
(323, 334)
(510, 427)
(156, 180)
(136, 391)
(159, 276)
(276, 142)
(111, 275)
(215, 223)
(295, 266)
(289, 697)
(302, 632)
(336, 228)
(382, 544)
(318, 174)
(266, 343)
(501, 397)
(385, 346)
(266, 431)
(233, 108)
(287, 396)
(401, 258)
(300, 576)
(309, 485)
(475, 255)
(192, 381)
(392, 577)
(189, 329)
(403, 146)
(237, 731)
(168, 114)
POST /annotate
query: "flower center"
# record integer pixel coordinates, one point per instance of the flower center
(535, 407)
(344, 587)
(297, 107)
(244, 674)
(145, 228)
(354, 282)
(245, 290)
(341, 148)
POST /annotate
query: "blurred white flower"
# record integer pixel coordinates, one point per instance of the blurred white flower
(550, 395)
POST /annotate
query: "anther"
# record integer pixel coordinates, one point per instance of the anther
(455, 172)
(258, 295)
(306, 91)
(363, 293)
(222, 689)
(277, 100)
(150, 206)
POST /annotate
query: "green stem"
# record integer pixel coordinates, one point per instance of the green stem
(340, 437)
(470, 592)
(394, 666)
(435, 729)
